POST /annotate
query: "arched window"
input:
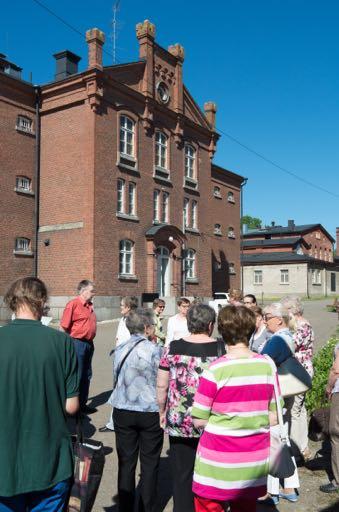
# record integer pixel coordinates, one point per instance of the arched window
(217, 191)
(190, 162)
(230, 197)
(231, 233)
(127, 136)
(190, 264)
(126, 257)
(217, 229)
(161, 150)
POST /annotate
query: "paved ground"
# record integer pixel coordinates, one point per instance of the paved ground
(311, 500)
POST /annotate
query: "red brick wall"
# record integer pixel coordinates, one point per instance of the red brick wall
(17, 158)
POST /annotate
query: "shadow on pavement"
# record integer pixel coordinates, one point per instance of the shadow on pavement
(332, 508)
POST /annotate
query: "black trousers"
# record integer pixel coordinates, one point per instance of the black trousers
(137, 433)
(182, 458)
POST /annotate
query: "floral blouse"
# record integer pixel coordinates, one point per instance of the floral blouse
(303, 339)
(185, 361)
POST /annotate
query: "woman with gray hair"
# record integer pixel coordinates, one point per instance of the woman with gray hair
(280, 347)
(136, 413)
(303, 337)
(180, 367)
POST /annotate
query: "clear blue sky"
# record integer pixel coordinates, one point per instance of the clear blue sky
(272, 67)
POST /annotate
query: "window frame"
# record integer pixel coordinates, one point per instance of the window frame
(156, 206)
(217, 192)
(121, 192)
(20, 124)
(123, 129)
(165, 198)
(217, 230)
(284, 272)
(194, 214)
(231, 232)
(124, 252)
(257, 277)
(185, 213)
(22, 250)
(230, 197)
(159, 147)
(190, 264)
(132, 199)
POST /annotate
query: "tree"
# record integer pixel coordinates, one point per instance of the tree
(251, 222)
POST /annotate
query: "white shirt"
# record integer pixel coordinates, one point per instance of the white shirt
(176, 328)
(123, 333)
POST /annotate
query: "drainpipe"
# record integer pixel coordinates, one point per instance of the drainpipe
(241, 232)
(37, 178)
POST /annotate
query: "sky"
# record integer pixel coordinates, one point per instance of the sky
(271, 66)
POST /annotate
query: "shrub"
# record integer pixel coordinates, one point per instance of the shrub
(322, 363)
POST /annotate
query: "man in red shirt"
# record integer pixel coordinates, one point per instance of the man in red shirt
(80, 322)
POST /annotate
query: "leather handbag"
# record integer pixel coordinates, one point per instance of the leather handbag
(293, 378)
(281, 464)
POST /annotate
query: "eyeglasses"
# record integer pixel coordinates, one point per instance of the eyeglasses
(268, 317)
(161, 307)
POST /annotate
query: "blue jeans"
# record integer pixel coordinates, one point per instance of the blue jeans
(50, 500)
(84, 351)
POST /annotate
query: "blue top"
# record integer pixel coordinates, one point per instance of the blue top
(280, 346)
(136, 387)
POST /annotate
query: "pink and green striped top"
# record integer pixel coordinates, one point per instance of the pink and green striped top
(235, 396)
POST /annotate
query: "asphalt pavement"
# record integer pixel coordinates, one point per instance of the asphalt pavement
(311, 500)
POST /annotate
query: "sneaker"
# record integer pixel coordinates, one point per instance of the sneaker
(330, 487)
(292, 497)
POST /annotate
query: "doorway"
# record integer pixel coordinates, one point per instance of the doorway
(163, 272)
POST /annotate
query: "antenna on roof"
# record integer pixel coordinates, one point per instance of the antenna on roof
(114, 25)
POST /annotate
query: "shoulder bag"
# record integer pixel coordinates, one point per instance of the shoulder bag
(281, 464)
(293, 378)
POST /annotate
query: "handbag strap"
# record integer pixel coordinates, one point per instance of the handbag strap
(123, 361)
(220, 348)
(277, 398)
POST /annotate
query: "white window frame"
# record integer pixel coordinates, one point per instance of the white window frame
(127, 131)
(257, 276)
(161, 150)
(156, 205)
(190, 162)
(194, 214)
(217, 229)
(22, 183)
(24, 124)
(185, 213)
(165, 208)
(22, 244)
(121, 195)
(132, 188)
(231, 233)
(190, 264)
(217, 191)
(284, 276)
(230, 197)
(126, 257)
(231, 268)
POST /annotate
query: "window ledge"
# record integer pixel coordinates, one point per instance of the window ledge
(217, 233)
(192, 280)
(217, 196)
(257, 284)
(316, 284)
(232, 201)
(28, 254)
(284, 284)
(126, 216)
(192, 230)
(123, 166)
(124, 156)
(231, 237)
(191, 184)
(23, 191)
(25, 132)
(127, 277)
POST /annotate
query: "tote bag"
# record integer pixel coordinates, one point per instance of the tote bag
(293, 378)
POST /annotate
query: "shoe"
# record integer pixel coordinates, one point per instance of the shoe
(105, 429)
(272, 501)
(307, 455)
(88, 410)
(329, 488)
(293, 497)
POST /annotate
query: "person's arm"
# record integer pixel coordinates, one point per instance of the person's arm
(162, 389)
(66, 319)
(333, 375)
(277, 349)
(170, 331)
(72, 405)
(204, 398)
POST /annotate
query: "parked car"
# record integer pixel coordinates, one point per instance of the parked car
(220, 300)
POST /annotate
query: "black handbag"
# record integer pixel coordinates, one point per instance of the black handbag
(89, 461)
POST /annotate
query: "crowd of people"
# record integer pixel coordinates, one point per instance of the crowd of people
(214, 396)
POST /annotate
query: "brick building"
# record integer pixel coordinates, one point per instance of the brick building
(128, 194)
(279, 260)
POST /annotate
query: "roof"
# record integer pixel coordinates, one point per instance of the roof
(231, 173)
(273, 241)
(278, 257)
(276, 230)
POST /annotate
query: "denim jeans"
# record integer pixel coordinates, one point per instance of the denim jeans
(54, 499)
(84, 350)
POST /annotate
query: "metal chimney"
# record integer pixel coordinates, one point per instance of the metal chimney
(66, 64)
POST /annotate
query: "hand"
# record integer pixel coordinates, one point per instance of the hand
(328, 392)
(162, 419)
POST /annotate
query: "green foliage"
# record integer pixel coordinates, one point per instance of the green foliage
(251, 222)
(322, 363)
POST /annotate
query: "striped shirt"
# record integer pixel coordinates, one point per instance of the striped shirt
(235, 396)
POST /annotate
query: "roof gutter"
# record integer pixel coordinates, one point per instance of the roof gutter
(37, 178)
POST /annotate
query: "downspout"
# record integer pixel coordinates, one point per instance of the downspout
(37, 178)
(241, 233)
